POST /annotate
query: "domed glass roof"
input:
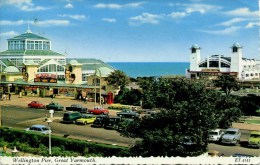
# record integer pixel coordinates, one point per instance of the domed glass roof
(237, 45)
(74, 62)
(104, 71)
(11, 69)
(195, 46)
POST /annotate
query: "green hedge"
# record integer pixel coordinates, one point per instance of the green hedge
(38, 143)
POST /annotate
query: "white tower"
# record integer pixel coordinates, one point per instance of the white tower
(236, 59)
(194, 58)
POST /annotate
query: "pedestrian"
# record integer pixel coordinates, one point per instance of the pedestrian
(4, 96)
(9, 95)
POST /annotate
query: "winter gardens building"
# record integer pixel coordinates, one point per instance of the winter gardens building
(30, 67)
(245, 70)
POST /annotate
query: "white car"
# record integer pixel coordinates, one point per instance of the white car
(39, 128)
(215, 135)
(231, 136)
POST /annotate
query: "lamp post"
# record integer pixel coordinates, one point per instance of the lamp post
(49, 121)
(0, 116)
(15, 151)
(95, 84)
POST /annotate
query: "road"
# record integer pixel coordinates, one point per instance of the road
(25, 117)
(22, 118)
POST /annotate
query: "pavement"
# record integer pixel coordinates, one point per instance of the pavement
(66, 102)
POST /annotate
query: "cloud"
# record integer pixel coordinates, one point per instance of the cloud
(32, 8)
(229, 30)
(252, 24)
(110, 20)
(76, 17)
(118, 6)
(9, 34)
(69, 6)
(15, 2)
(38, 23)
(145, 18)
(231, 22)
(24, 5)
(53, 23)
(7, 22)
(245, 12)
(201, 8)
(177, 14)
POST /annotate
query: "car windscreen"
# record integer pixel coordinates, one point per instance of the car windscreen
(255, 136)
(66, 115)
(231, 132)
(213, 133)
(45, 129)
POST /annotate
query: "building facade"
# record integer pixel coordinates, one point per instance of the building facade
(215, 65)
(30, 67)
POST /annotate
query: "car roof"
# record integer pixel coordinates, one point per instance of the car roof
(232, 129)
(39, 126)
(255, 132)
(215, 130)
(70, 112)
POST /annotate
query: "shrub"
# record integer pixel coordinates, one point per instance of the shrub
(37, 144)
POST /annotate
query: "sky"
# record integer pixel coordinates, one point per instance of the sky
(135, 30)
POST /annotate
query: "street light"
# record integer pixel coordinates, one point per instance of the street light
(15, 151)
(49, 121)
(95, 81)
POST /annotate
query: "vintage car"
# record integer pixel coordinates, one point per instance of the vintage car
(86, 119)
(127, 113)
(71, 117)
(215, 135)
(39, 128)
(55, 106)
(98, 111)
(100, 120)
(77, 107)
(36, 104)
(112, 122)
(231, 136)
(254, 139)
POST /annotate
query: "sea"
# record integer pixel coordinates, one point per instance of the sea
(148, 69)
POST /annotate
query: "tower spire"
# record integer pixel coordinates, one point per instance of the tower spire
(28, 27)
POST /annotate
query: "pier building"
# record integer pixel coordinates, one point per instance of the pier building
(30, 67)
(215, 65)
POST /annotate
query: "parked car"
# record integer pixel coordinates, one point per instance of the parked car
(127, 113)
(254, 139)
(77, 107)
(36, 104)
(100, 120)
(55, 106)
(39, 128)
(86, 119)
(112, 122)
(71, 117)
(98, 111)
(215, 135)
(231, 136)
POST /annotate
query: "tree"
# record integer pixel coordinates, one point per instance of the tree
(118, 79)
(187, 111)
(227, 83)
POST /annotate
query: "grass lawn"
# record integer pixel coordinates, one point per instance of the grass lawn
(253, 121)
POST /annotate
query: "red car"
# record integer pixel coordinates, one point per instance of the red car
(98, 111)
(36, 104)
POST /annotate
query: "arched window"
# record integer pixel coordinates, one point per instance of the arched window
(234, 49)
(193, 50)
(3, 78)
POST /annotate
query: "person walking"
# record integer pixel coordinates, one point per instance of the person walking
(9, 95)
